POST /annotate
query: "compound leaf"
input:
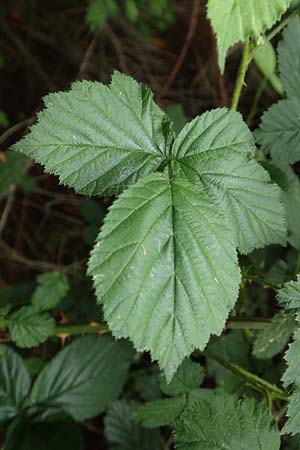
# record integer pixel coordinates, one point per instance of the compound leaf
(29, 328)
(83, 378)
(124, 433)
(216, 152)
(238, 20)
(165, 291)
(52, 288)
(289, 58)
(226, 422)
(99, 139)
(15, 384)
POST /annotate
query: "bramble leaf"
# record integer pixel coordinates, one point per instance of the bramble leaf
(52, 288)
(164, 291)
(83, 378)
(292, 425)
(15, 384)
(12, 167)
(216, 152)
(289, 296)
(289, 58)
(279, 131)
(29, 328)
(226, 423)
(99, 139)
(238, 20)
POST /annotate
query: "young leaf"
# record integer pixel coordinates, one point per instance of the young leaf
(272, 340)
(52, 288)
(160, 412)
(24, 435)
(29, 328)
(226, 423)
(238, 20)
(121, 431)
(83, 378)
(279, 131)
(166, 291)
(99, 139)
(190, 375)
(15, 384)
(265, 59)
(216, 152)
(289, 58)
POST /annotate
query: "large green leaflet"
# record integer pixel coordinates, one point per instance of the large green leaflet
(216, 152)
(179, 292)
(165, 266)
(226, 422)
(238, 20)
(14, 385)
(99, 139)
(83, 378)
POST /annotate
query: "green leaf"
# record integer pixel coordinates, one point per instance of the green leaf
(216, 152)
(292, 425)
(29, 328)
(147, 385)
(289, 58)
(165, 269)
(226, 423)
(291, 198)
(292, 374)
(11, 169)
(289, 296)
(121, 431)
(279, 131)
(238, 20)
(99, 139)
(83, 378)
(15, 384)
(160, 412)
(101, 10)
(52, 288)
(190, 375)
(273, 339)
(23, 435)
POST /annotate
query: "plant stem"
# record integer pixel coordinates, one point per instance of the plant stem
(244, 324)
(80, 329)
(253, 380)
(241, 75)
(257, 96)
